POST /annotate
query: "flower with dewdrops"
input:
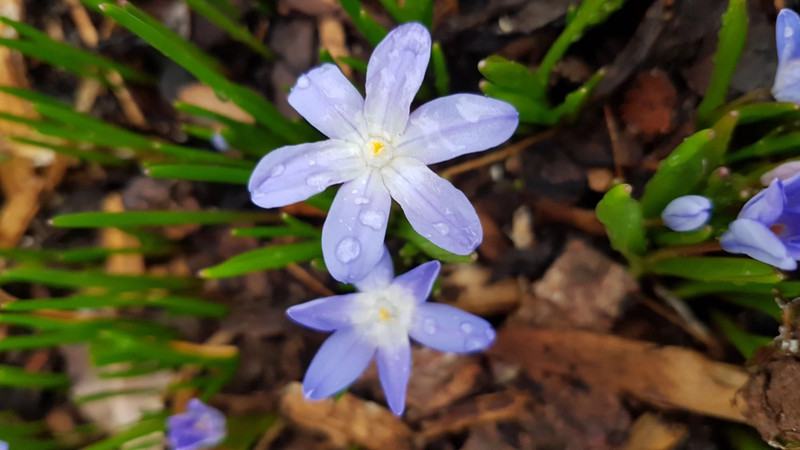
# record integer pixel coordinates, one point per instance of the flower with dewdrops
(768, 226)
(787, 37)
(201, 426)
(379, 152)
(687, 213)
(378, 321)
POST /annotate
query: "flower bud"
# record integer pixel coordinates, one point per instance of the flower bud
(687, 213)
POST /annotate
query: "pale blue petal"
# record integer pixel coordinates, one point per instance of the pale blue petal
(419, 280)
(456, 125)
(329, 102)
(757, 241)
(791, 191)
(449, 329)
(352, 236)
(337, 364)
(201, 426)
(434, 207)
(380, 277)
(293, 173)
(325, 314)
(687, 213)
(787, 35)
(394, 369)
(787, 82)
(767, 205)
(394, 74)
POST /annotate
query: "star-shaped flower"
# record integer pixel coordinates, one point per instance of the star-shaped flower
(380, 152)
(787, 37)
(768, 226)
(201, 426)
(378, 321)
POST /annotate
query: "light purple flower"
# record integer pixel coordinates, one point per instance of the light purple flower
(784, 172)
(201, 426)
(378, 321)
(687, 213)
(380, 152)
(787, 77)
(3, 445)
(768, 226)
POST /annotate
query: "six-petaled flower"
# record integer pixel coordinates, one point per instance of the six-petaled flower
(768, 226)
(380, 152)
(378, 321)
(787, 37)
(687, 213)
(201, 426)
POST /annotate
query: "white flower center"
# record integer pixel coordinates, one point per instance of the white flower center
(385, 315)
(377, 152)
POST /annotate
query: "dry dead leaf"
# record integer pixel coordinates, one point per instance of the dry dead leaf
(467, 286)
(665, 376)
(650, 432)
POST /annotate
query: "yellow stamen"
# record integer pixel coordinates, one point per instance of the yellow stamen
(377, 148)
(384, 315)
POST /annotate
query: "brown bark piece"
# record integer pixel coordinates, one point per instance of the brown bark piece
(481, 410)
(346, 420)
(772, 400)
(583, 289)
(666, 377)
(649, 107)
(650, 432)
(467, 286)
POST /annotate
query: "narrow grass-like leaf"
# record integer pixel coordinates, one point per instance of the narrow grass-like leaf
(158, 218)
(44, 340)
(676, 238)
(265, 258)
(622, 217)
(238, 32)
(441, 75)
(17, 377)
(77, 61)
(99, 157)
(244, 432)
(84, 279)
(231, 175)
(177, 305)
(76, 255)
(732, 37)
(173, 47)
(788, 289)
(746, 343)
(111, 347)
(84, 399)
(708, 268)
(138, 430)
(371, 29)
(788, 143)
(294, 227)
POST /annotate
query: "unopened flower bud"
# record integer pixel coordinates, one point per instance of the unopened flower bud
(687, 213)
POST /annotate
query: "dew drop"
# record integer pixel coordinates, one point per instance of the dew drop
(319, 181)
(466, 327)
(348, 249)
(311, 162)
(442, 228)
(302, 82)
(372, 219)
(473, 344)
(361, 201)
(788, 32)
(429, 326)
(277, 170)
(354, 192)
(448, 211)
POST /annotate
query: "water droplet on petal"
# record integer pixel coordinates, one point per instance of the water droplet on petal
(302, 82)
(442, 228)
(448, 211)
(277, 170)
(311, 162)
(490, 334)
(354, 191)
(372, 219)
(319, 181)
(474, 344)
(429, 326)
(466, 327)
(348, 249)
(361, 201)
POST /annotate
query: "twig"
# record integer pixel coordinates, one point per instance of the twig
(302, 275)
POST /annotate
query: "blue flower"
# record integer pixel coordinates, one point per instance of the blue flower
(3, 445)
(687, 213)
(787, 77)
(201, 426)
(378, 321)
(768, 226)
(380, 152)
